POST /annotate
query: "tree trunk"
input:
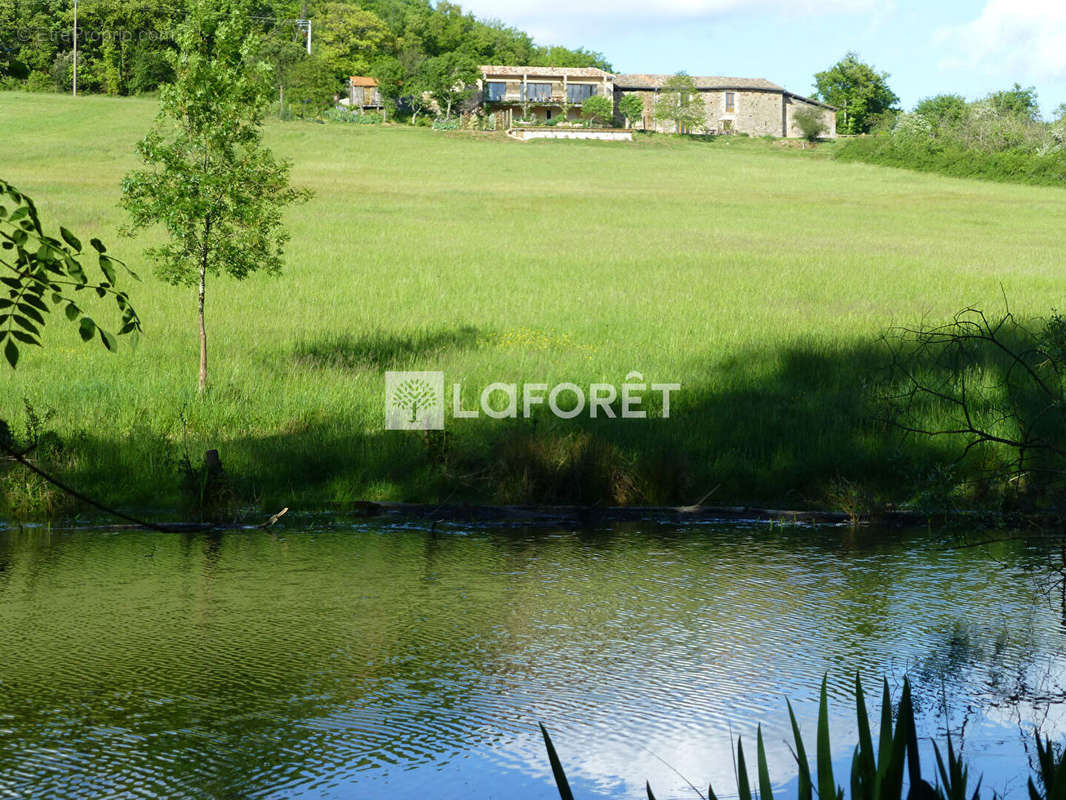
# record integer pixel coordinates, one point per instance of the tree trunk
(203, 327)
(281, 101)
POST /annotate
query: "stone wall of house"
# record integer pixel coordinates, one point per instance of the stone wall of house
(755, 113)
(794, 104)
(758, 113)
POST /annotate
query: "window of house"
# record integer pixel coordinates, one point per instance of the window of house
(579, 92)
(538, 91)
(730, 102)
(495, 91)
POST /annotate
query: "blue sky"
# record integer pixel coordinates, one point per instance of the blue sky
(927, 48)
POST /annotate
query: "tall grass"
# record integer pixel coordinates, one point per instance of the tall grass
(758, 277)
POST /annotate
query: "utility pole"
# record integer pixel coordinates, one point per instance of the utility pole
(305, 24)
(75, 48)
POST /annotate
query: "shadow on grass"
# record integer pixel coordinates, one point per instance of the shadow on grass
(800, 427)
(381, 350)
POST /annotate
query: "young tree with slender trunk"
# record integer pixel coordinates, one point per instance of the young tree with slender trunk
(680, 103)
(208, 179)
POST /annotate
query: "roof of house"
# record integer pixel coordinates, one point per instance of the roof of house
(643, 81)
(362, 80)
(810, 100)
(554, 72)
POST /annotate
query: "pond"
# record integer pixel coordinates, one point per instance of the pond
(408, 661)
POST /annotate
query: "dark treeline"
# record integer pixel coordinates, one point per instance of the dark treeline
(125, 46)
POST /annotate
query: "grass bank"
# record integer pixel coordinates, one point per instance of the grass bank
(756, 275)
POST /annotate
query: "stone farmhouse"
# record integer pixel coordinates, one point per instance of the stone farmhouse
(754, 106)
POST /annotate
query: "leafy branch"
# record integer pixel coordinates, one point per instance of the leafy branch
(39, 273)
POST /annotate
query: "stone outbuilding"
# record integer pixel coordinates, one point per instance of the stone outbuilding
(754, 106)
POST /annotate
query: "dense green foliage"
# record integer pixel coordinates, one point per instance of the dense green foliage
(943, 110)
(597, 110)
(209, 181)
(631, 106)
(859, 92)
(716, 291)
(123, 45)
(1016, 101)
(999, 137)
(810, 122)
(39, 273)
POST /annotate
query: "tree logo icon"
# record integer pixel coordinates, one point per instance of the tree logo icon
(414, 400)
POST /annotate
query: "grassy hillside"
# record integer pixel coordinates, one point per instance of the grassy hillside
(757, 276)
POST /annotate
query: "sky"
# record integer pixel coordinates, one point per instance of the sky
(932, 47)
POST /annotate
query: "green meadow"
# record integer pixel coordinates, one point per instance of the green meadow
(759, 277)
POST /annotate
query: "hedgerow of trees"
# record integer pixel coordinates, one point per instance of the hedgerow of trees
(1000, 137)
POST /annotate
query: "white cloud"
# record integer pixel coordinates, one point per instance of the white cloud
(554, 18)
(1018, 39)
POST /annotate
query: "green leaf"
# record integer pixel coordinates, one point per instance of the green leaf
(24, 323)
(26, 338)
(107, 267)
(557, 767)
(69, 238)
(35, 301)
(11, 352)
(827, 789)
(905, 720)
(97, 245)
(743, 786)
(884, 745)
(71, 311)
(805, 787)
(765, 789)
(87, 328)
(108, 340)
(867, 768)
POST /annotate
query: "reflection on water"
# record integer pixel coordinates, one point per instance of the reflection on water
(412, 663)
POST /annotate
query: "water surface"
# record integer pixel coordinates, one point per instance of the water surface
(404, 662)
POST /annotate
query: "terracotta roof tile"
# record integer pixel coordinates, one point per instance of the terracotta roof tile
(645, 81)
(553, 72)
